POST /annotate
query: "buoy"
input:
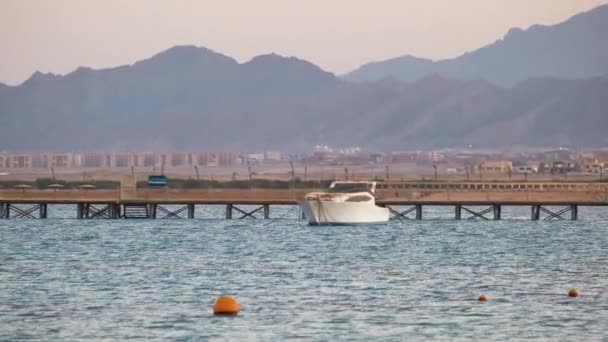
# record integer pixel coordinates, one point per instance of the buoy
(483, 298)
(226, 305)
(573, 293)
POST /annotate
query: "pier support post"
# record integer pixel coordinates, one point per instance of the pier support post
(111, 211)
(191, 210)
(535, 212)
(118, 210)
(4, 210)
(574, 212)
(152, 209)
(497, 211)
(114, 211)
(418, 211)
(228, 211)
(43, 210)
(458, 212)
(79, 210)
(266, 211)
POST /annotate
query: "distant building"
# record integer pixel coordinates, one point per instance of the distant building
(147, 159)
(560, 166)
(4, 161)
(403, 157)
(455, 171)
(178, 159)
(227, 158)
(20, 161)
(434, 156)
(212, 159)
(594, 167)
(255, 158)
(500, 166)
(272, 155)
(93, 160)
(191, 159)
(40, 161)
(77, 160)
(135, 160)
(120, 160)
(163, 160)
(61, 160)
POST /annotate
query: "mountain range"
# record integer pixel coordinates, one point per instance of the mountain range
(191, 97)
(576, 48)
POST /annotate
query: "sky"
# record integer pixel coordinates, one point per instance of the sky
(338, 35)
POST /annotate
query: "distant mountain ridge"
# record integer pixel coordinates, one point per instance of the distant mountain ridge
(185, 96)
(192, 98)
(576, 48)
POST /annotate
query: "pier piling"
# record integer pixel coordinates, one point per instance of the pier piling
(418, 211)
(228, 211)
(266, 211)
(497, 211)
(190, 210)
(43, 210)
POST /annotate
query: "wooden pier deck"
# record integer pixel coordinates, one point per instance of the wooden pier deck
(405, 200)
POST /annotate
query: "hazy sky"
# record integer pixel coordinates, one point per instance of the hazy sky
(338, 35)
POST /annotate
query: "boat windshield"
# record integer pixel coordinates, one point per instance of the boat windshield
(351, 187)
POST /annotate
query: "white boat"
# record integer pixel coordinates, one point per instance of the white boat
(344, 203)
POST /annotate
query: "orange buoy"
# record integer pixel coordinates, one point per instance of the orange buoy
(483, 298)
(226, 305)
(573, 293)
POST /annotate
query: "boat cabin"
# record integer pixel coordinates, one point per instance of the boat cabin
(351, 186)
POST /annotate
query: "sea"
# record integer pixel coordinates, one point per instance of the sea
(64, 279)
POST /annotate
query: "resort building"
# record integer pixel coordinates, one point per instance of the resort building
(500, 166)
(20, 161)
(61, 160)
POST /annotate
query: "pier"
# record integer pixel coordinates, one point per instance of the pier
(406, 200)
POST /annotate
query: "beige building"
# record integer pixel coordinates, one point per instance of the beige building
(20, 161)
(120, 160)
(594, 167)
(4, 161)
(434, 156)
(61, 160)
(272, 155)
(126, 160)
(93, 160)
(40, 161)
(500, 166)
(178, 159)
(144, 159)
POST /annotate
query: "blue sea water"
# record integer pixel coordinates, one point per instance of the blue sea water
(68, 279)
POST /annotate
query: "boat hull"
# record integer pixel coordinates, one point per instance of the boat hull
(343, 213)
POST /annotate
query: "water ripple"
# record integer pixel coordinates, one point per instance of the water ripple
(63, 279)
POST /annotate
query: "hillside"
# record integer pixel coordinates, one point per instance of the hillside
(193, 98)
(575, 48)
